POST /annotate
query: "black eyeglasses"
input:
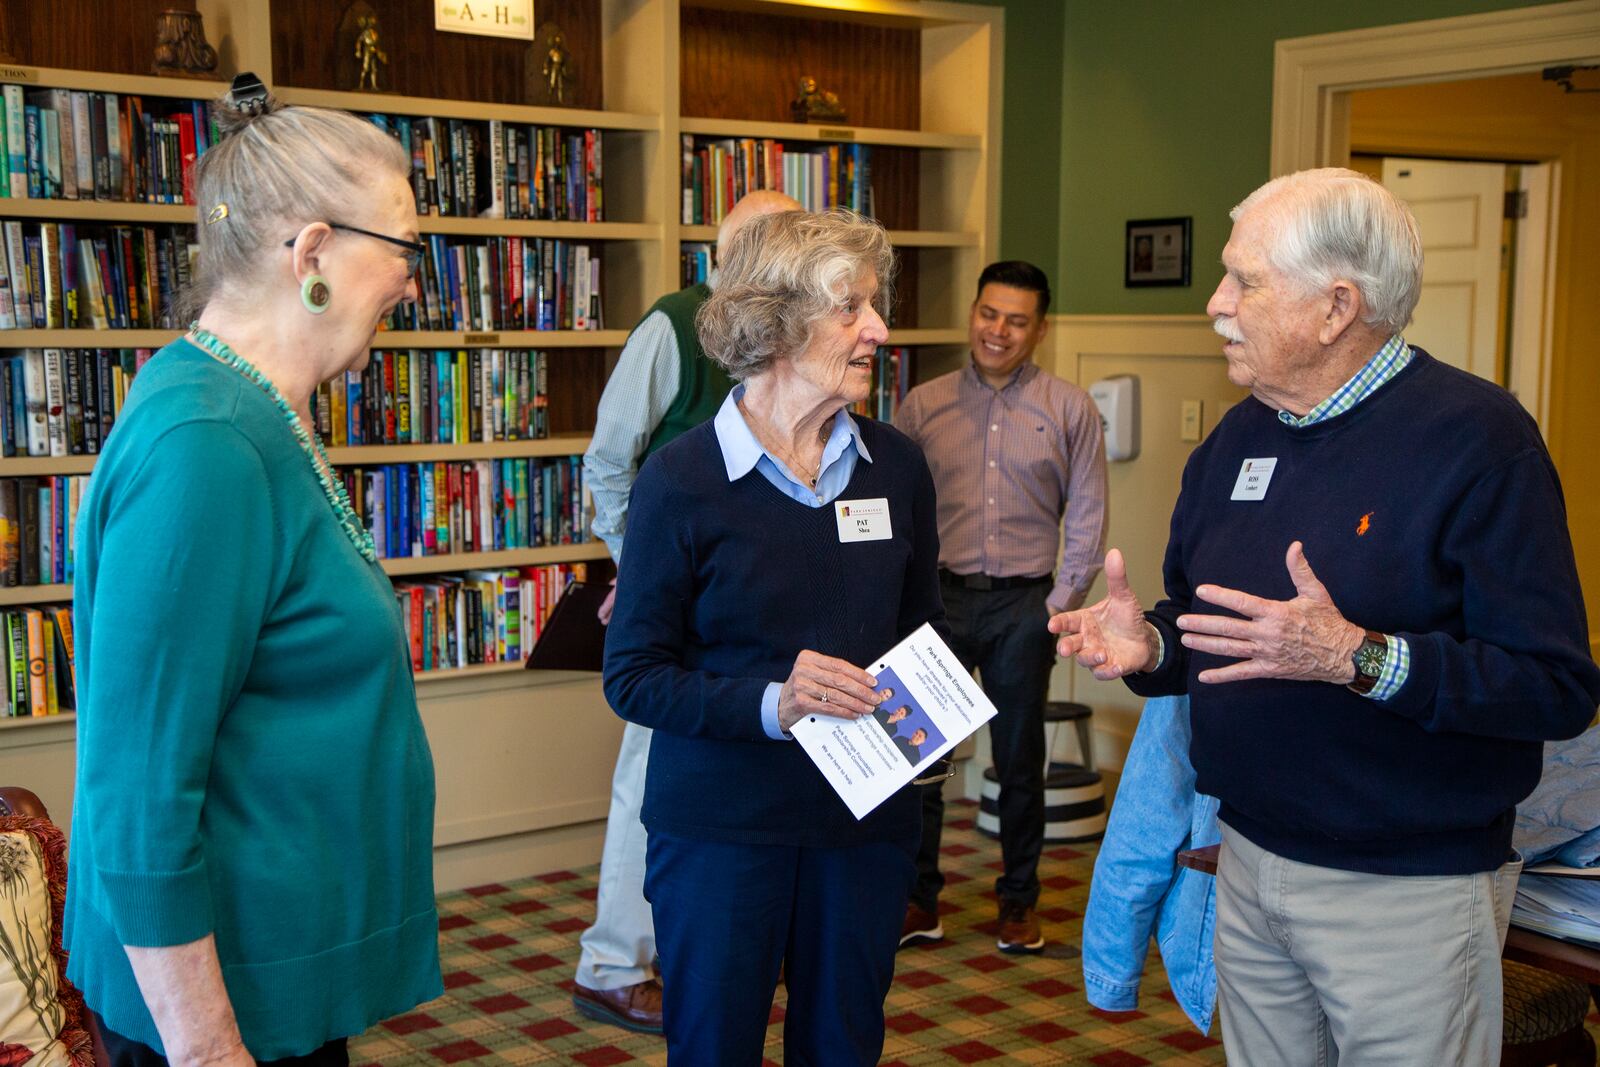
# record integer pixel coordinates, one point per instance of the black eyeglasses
(414, 249)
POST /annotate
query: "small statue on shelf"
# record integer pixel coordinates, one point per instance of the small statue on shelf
(181, 48)
(368, 53)
(814, 106)
(555, 70)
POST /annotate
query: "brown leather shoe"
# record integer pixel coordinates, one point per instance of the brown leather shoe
(920, 927)
(633, 1007)
(1019, 928)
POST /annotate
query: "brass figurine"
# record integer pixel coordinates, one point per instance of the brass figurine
(181, 48)
(368, 53)
(556, 71)
(814, 106)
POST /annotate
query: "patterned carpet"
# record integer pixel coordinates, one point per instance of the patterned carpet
(509, 953)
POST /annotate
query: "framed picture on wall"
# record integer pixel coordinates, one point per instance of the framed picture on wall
(1157, 252)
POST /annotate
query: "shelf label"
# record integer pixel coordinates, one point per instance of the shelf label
(837, 135)
(485, 18)
(481, 339)
(27, 75)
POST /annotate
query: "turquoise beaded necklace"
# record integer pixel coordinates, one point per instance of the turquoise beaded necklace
(332, 487)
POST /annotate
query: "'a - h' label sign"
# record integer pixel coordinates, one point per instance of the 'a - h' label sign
(486, 18)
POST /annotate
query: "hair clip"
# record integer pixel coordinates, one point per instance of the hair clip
(217, 214)
(248, 94)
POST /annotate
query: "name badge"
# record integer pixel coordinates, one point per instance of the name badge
(1254, 476)
(863, 520)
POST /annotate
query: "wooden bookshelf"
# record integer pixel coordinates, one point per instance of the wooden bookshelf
(524, 757)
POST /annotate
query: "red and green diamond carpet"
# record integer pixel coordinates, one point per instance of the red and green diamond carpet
(509, 952)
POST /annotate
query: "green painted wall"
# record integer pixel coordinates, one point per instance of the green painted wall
(1030, 153)
(1166, 110)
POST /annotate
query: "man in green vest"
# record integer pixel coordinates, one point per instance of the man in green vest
(662, 386)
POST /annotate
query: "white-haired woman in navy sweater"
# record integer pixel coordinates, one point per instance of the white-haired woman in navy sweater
(743, 606)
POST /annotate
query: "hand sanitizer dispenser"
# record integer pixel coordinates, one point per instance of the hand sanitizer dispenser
(1118, 400)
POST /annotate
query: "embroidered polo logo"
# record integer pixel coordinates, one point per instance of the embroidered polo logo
(1364, 525)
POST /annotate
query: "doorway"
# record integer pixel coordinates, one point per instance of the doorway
(1361, 92)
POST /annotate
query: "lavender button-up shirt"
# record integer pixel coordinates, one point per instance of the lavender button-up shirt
(1021, 474)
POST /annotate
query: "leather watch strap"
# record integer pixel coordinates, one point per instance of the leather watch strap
(1364, 682)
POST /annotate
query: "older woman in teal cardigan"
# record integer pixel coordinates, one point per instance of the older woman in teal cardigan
(251, 869)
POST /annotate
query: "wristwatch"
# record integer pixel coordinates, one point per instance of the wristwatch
(1369, 659)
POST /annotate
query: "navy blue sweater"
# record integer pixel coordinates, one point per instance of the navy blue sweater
(722, 586)
(1431, 511)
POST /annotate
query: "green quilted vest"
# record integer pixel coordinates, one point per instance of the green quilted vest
(702, 385)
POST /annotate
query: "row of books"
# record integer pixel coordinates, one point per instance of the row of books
(480, 616)
(500, 170)
(716, 173)
(41, 671)
(69, 144)
(63, 401)
(435, 509)
(417, 509)
(505, 283)
(696, 261)
(36, 521)
(891, 380)
(70, 275)
(438, 396)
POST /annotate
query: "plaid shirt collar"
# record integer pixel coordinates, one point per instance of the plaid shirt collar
(1390, 360)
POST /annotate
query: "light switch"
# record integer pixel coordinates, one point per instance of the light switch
(1189, 429)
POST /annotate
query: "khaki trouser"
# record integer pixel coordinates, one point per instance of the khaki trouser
(1324, 967)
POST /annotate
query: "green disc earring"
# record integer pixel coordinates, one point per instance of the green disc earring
(315, 294)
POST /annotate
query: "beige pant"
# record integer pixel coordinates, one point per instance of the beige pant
(1324, 967)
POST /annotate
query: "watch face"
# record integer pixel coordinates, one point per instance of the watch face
(1370, 657)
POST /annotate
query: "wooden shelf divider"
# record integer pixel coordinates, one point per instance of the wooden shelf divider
(35, 594)
(563, 445)
(803, 131)
(514, 557)
(499, 338)
(389, 104)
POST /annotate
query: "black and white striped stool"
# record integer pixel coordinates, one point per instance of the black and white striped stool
(1074, 795)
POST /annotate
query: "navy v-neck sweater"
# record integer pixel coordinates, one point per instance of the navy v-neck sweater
(1430, 511)
(723, 585)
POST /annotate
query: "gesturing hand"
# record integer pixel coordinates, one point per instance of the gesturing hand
(1305, 638)
(823, 685)
(1111, 638)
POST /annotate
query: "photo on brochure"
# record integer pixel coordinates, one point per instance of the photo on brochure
(910, 728)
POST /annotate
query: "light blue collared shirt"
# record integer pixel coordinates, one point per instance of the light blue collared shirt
(742, 452)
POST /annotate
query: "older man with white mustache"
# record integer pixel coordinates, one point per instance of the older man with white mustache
(1368, 727)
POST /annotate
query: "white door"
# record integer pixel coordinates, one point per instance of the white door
(1459, 209)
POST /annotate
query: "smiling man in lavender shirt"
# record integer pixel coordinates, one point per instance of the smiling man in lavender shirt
(1018, 459)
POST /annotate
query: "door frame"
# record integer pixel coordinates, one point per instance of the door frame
(1312, 75)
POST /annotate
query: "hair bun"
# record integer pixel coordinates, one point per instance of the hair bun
(246, 100)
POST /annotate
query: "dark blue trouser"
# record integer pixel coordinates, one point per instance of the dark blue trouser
(727, 915)
(1001, 633)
